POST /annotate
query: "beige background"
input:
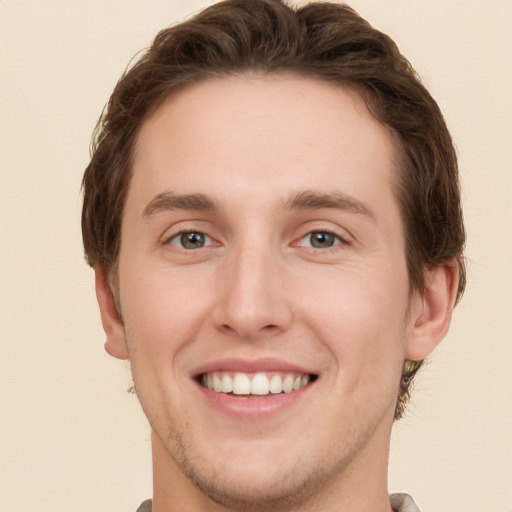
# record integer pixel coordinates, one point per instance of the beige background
(71, 438)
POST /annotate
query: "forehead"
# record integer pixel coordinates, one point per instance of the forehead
(278, 132)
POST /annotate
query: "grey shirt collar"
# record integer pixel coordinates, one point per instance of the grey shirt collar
(400, 502)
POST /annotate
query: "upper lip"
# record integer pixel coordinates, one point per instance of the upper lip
(250, 366)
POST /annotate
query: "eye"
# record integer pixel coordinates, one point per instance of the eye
(190, 240)
(320, 240)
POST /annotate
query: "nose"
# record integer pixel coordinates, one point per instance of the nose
(252, 301)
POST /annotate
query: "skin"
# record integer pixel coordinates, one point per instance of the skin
(258, 289)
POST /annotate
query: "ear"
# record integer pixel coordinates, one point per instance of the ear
(115, 343)
(432, 311)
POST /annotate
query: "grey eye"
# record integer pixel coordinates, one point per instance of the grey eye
(320, 240)
(191, 240)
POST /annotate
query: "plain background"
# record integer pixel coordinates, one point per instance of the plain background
(71, 437)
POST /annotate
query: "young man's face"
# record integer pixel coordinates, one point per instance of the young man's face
(262, 246)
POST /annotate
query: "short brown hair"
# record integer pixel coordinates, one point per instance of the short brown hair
(325, 41)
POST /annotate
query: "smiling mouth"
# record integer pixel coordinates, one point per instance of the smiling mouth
(258, 385)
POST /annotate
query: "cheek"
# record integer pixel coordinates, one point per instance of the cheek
(163, 308)
(163, 315)
(360, 317)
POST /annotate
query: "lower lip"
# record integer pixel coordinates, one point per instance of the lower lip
(242, 408)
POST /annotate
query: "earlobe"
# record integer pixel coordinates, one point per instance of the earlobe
(432, 312)
(115, 343)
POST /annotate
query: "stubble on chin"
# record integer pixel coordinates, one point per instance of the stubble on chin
(298, 489)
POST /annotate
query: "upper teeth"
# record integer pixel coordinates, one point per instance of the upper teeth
(257, 384)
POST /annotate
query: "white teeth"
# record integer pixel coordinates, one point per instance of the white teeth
(241, 384)
(227, 384)
(259, 384)
(276, 384)
(217, 384)
(288, 384)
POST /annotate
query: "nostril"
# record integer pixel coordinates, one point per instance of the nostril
(266, 329)
(227, 328)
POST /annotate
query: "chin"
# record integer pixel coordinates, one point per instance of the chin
(268, 483)
(253, 488)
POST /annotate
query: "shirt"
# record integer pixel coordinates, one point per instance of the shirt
(400, 502)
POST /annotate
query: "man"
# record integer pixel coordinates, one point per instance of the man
(272, 212)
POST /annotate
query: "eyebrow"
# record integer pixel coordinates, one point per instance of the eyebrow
(305, 200)
(314, 200)
(168, 201)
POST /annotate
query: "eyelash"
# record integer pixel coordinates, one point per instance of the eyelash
(180, 237)
(336, 239)
(179, 241)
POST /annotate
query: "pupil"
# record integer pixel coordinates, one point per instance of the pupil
(322, 239)
(192, 240)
